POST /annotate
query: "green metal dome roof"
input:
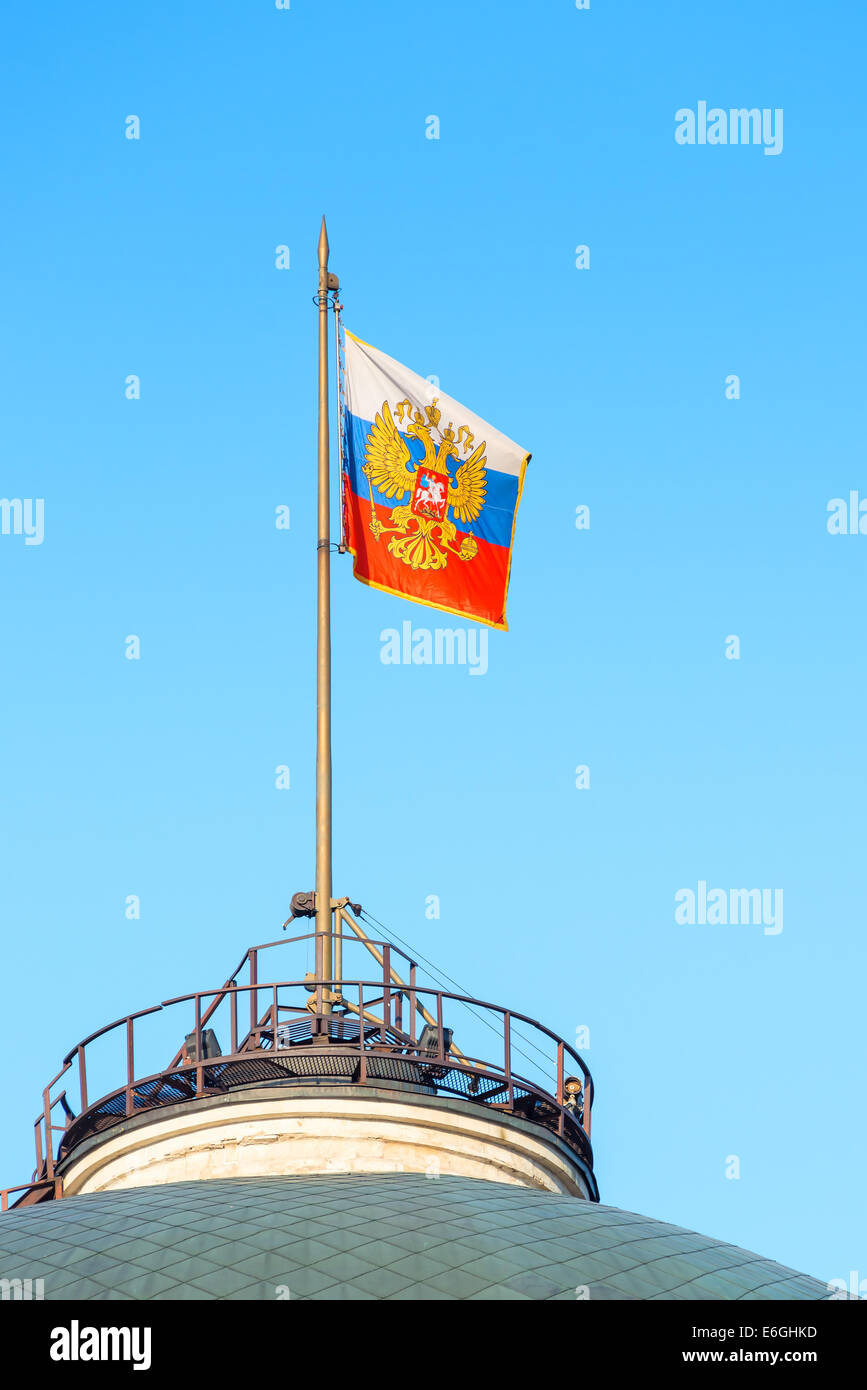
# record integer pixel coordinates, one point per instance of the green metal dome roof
(399, 1236)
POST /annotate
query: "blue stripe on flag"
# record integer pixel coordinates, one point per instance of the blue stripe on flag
(495, 523)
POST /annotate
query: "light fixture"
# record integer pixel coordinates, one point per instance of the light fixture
(210, 1046)
(429, 1041)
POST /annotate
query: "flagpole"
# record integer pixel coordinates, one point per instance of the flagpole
(323, 643)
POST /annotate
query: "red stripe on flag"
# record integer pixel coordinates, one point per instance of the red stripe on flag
(469, 588)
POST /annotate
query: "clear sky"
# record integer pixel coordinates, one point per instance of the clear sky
(156, 257)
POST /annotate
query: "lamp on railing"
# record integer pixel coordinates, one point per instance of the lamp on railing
(210, 1046)
(429, 1040)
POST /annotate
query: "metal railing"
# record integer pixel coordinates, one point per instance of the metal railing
(359, 1032)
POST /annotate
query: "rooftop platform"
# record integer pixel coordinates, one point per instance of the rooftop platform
(381, 1031)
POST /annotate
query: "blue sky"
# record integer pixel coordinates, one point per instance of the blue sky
(156, 777)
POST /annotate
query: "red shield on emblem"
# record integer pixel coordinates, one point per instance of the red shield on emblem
(431, 495)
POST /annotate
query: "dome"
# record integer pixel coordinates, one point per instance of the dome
(401, 1236)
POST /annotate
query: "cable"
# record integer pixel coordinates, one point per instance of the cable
(441, 975)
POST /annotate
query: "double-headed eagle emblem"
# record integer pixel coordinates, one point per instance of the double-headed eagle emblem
(424, 535)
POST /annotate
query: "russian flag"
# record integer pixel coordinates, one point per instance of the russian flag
(430, 491)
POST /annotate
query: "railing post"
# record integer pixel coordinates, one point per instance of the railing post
(49, 1141)
(412, 1001)
(386, 994)
(37, 1134)
(561, 1118)
(200, 1070)
(233, 1016)
(130, 1067)
(441, 1052)
(362, 1069)
(507, 1058)
(82, 1078)
(254, 993)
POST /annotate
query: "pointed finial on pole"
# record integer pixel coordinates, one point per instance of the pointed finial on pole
(323, 247)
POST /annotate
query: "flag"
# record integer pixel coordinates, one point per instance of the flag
(430, 492)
